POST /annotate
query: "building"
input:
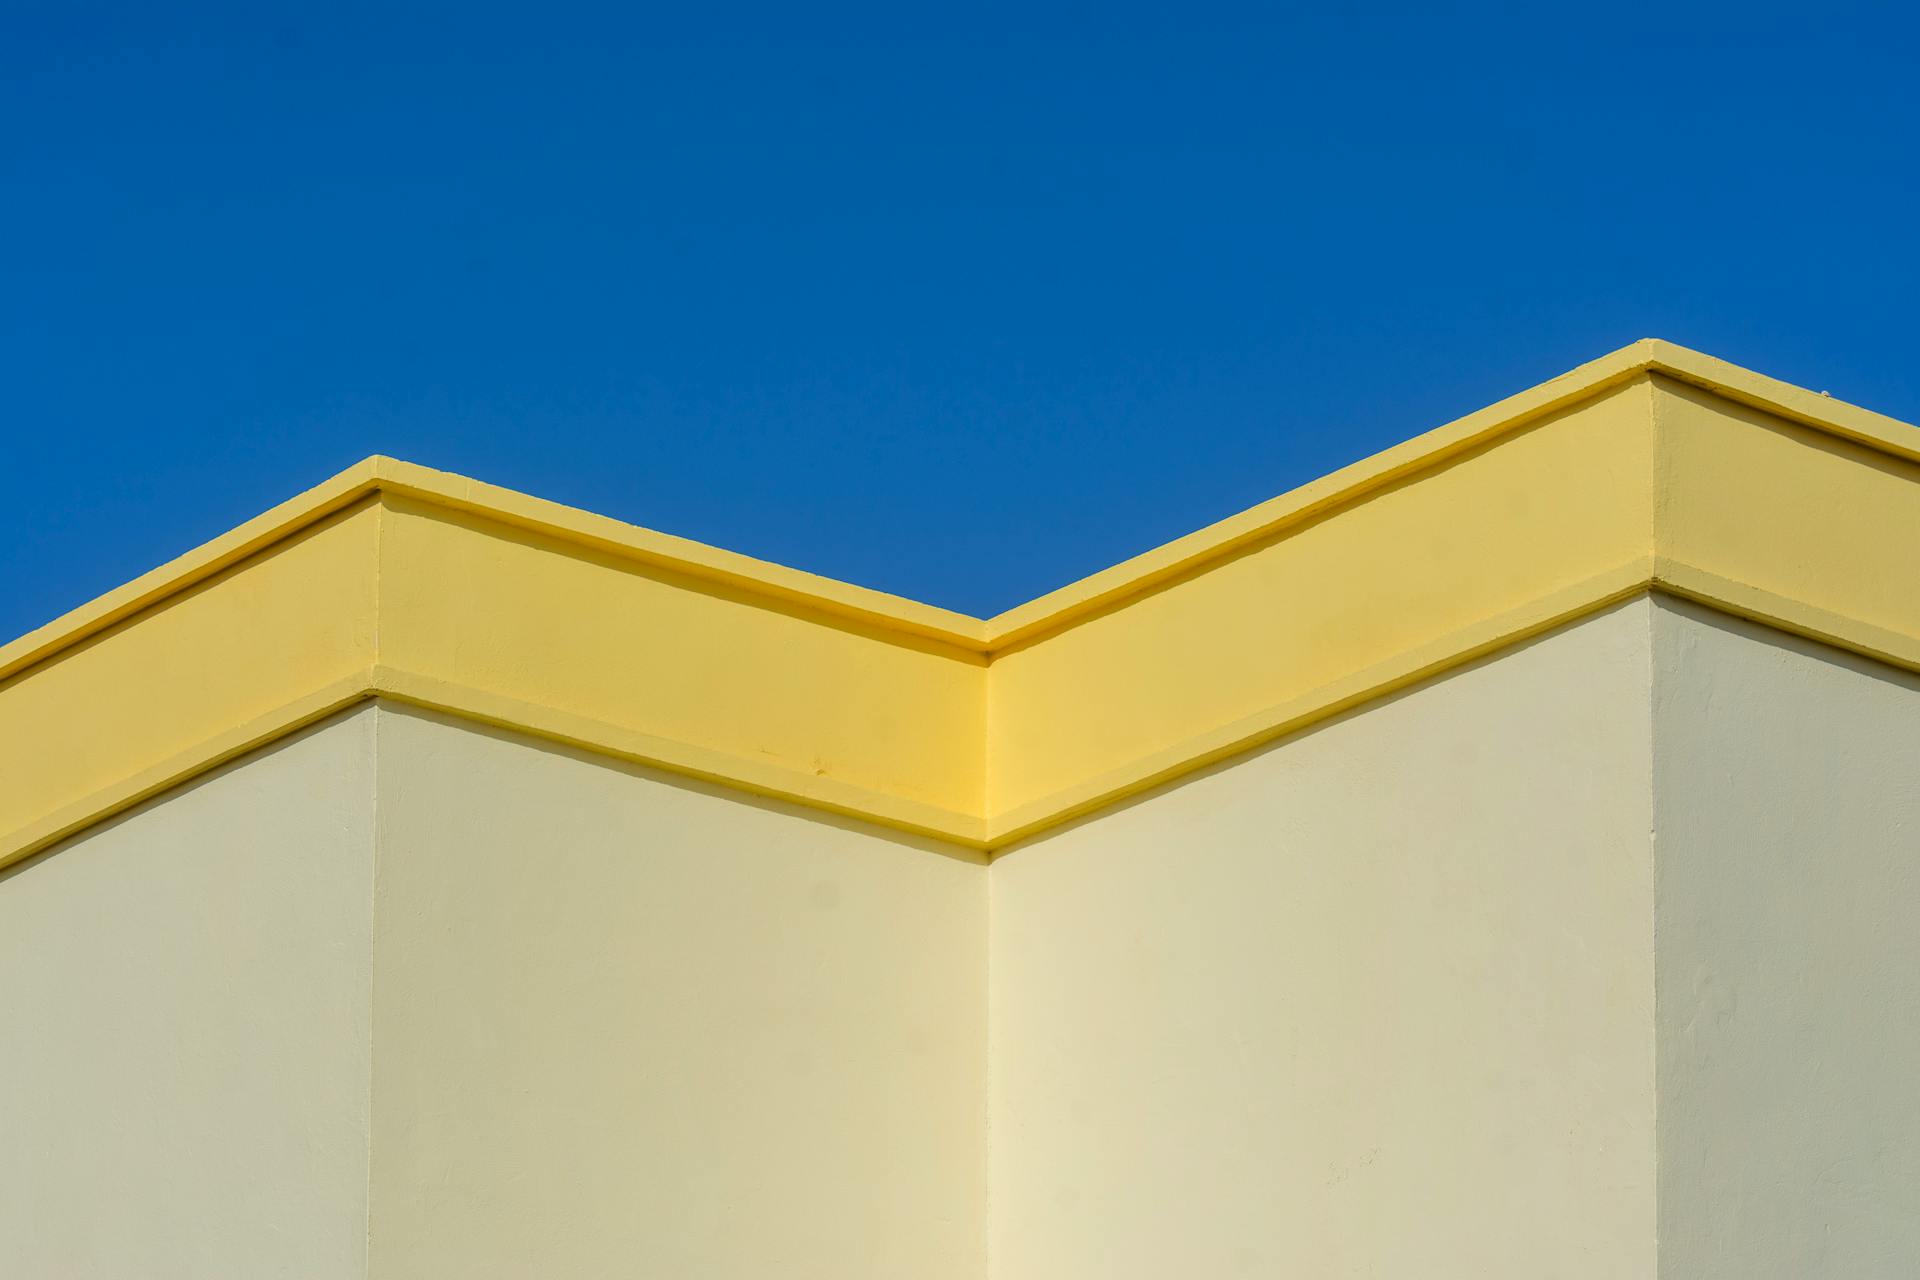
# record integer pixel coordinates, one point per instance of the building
(1500, 858)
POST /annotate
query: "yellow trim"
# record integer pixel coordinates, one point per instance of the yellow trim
(182, 766)
(141, 699)
(1321, 702)
(692, 759)
(1653, 468)
(1308, 604)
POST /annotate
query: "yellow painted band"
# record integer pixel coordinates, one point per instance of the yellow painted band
(1654, 468)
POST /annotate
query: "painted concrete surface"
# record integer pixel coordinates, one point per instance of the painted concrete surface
(627, 1026)
(184, 1029)
(1787, 783)
(1593, 959)
(1374, 1002)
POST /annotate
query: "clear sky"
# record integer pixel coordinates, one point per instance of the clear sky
(960, 302)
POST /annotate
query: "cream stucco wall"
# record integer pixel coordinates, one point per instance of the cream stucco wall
(405, 997)
(1596, 958)
(625, 1025)
(1787, 785)
(184, 1029)
(1376, 1001)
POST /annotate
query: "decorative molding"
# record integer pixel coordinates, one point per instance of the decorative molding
(1652, 469)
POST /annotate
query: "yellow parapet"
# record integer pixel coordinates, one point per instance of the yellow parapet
(1652, 469)
(245, 640)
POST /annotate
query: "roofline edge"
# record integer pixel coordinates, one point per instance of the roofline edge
(1022, 624)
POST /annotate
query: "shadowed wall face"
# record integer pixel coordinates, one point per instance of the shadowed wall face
(184, 1029)
(1787, 787)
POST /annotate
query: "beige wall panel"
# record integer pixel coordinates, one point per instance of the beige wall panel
(1376, 1001)
(184, 1029)
(630, 1026)
(1788, 802)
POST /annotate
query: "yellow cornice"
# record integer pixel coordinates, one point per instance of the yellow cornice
(1059, 608)
(458, 493)
(1653, 468)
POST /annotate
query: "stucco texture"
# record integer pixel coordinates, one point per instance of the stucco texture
(1787, 785)
(1593, 958)
(184, 1021)
(1376, 1001)
(625, 1025)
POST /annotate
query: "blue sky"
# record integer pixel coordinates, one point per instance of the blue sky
(960, 303)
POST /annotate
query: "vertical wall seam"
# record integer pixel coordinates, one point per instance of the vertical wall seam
(1656, 481)
(373, 868)
(373, 879)
(987, 1074)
